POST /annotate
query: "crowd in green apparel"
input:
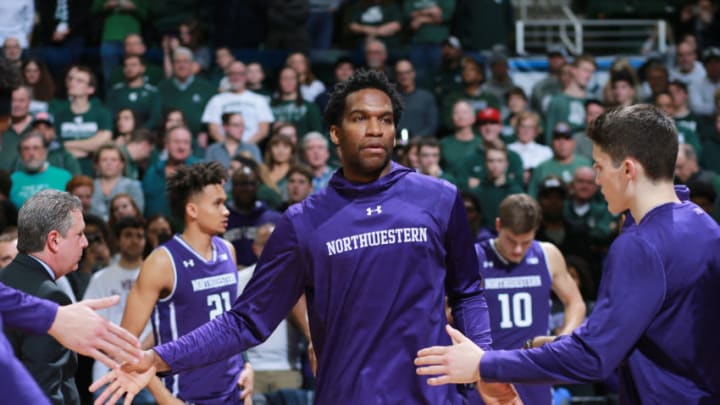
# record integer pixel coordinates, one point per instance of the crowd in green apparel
(471, 116)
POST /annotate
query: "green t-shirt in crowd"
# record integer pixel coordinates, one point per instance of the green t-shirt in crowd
(490, 196)
(305, 117)
(480, 24)
(118, 22)
(551, 167)
(190, 100)
(144, 101)
(430, 33)
(474, 166)
(376, 15)
(154, 74)
(453, 153)
(70, 126)
(564, 108)
(25, 185)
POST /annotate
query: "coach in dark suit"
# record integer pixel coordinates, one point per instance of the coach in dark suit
(50, 242)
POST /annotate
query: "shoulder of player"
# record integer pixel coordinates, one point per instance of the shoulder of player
(553, 255)
(157, 267)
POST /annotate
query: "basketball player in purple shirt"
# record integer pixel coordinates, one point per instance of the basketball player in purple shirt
(188, 281)
(519, 274)
(375, 252)
(655, 320)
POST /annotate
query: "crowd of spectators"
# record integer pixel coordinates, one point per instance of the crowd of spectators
(117, 94)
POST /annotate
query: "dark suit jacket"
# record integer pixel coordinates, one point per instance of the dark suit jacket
(52, 365)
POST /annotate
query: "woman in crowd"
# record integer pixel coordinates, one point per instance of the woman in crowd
(125, 123)
(82, 187)
(36, 75)
(123, 205)
(288, 104)
(110, 166)
(310, 87)
(280, 155)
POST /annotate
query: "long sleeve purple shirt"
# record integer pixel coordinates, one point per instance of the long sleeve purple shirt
(376, 261)
(30, 314)
(655, 321)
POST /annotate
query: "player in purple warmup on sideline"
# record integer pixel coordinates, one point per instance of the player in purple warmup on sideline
(375, 252)
(655, 320)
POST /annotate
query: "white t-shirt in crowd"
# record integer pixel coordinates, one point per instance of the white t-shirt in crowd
(254, 108)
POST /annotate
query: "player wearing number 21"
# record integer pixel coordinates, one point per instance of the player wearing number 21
(519, 273)
(188, 281)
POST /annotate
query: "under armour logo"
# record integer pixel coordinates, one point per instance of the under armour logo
(487, 263)
(376, 210)
(189, 263)
(532, 260)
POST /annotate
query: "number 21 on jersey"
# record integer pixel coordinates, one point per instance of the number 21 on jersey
(218, 303)
(515, 310)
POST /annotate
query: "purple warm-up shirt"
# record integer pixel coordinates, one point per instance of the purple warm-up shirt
(375, 261)
(32, 315)
(655, 321)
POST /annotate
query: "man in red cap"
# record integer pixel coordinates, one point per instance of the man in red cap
(473, 169)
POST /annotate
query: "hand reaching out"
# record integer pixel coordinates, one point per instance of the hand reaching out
(456, 364)
(121, 381)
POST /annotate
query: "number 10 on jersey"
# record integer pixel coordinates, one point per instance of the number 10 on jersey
(515, 311)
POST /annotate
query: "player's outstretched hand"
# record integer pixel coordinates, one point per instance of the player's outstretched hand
(121, 381)
(456, 364)
(79, 328)
(498, 393)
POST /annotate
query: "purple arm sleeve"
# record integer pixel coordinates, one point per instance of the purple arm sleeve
(275, 287)
(597, 347)
(463, 282)
(25, 312)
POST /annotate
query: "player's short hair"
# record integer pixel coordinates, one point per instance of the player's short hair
(520, 213)
(361, 80)
(188, 181)
(642, 132)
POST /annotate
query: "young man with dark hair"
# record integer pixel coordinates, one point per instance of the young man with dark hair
(135, 93)
(188, 281)
(520, 273)
(377, 252)
(118, 278)
(654, 321)
(569, 106)
(82, 124)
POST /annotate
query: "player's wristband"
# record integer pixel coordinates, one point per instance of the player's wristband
(528, 344)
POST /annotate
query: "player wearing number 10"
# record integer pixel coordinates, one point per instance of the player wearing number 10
(519, 273)
(188, 281)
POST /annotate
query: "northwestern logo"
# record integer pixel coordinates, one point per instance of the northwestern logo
(376, 210)
(189, 263)
(377, 238)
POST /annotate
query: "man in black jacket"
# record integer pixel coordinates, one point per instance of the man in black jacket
(51, 241)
